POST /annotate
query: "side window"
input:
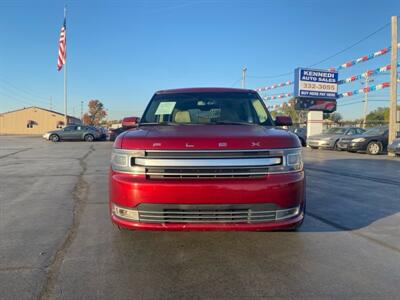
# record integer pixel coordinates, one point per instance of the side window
(351, 131)
(260, 110)
(69, 128)
(360, 131)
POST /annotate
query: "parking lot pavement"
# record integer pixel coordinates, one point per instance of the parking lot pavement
(56, 240)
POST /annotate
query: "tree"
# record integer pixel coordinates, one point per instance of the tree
(96, 113)
(335, 117)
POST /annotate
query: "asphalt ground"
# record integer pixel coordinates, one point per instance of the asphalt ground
(56, 240)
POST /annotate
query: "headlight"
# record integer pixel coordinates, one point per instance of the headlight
(358, 140)
(124, 160)
(327, 139)
(292, 161)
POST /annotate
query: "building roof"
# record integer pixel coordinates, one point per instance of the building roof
(205, 90)
(51, 111)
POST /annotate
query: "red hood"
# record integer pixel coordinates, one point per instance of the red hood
(192, 137)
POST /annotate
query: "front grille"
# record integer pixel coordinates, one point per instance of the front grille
(182, 173)
(208, 164)
(238, 213)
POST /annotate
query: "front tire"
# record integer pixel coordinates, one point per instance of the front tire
(54, 138)
(89, 138)
(374, 148)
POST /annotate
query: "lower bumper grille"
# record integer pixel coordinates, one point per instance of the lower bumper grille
(240, 213)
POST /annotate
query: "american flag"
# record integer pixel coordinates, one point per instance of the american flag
(62, 47)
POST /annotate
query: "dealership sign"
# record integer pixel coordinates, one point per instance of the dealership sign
(313, 83)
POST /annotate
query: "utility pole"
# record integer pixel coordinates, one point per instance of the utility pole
(393, 83)
(365, 101)
(81, 110)
(244, 70)
(51, 102)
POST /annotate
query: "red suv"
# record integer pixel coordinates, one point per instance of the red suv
(207, 159)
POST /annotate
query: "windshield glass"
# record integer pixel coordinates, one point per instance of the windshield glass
(336, 130)
(207, 108)
(376, 131)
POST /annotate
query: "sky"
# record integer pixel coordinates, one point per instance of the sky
(121, 52)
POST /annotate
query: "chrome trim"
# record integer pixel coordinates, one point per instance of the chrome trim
(218, 216)
(227, 150)
(214, 163)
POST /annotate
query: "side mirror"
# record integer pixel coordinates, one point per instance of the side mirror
(130, 121)
(283, 121)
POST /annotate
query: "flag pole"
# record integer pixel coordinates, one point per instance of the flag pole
(65, 71)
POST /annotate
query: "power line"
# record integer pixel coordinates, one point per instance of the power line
(19, 94)
(329, 57)
(24, 90)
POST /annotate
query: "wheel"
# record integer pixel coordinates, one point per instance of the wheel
(312, 147)
(374, 148)
(54, 138)
(89, 138)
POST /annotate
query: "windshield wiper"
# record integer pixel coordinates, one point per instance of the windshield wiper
(158, 123)
(229, 123)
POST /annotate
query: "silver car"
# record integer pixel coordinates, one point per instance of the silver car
(329, 138)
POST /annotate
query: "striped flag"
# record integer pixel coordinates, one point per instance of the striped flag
(62, 47)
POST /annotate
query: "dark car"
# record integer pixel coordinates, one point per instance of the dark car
(301, 133)
(394, 147)
(74, 132)
(374, 141)
(127, 123)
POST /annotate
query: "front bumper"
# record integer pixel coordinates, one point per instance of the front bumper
(281, 190)
(394, 149)
(321, 144)
(357, 146)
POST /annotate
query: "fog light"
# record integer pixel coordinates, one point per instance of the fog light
(126, 213)
(287, 213)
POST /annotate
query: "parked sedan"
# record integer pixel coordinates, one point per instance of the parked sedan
(329, 139)
(74, 132)
(394, 147)
(374, 141)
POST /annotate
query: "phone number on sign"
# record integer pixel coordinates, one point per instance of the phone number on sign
(318, 86)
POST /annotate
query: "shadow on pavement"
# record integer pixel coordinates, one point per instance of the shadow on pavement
(350, 194)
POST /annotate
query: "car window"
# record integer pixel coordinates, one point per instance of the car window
(360, 131)
(69, 128)
(260, 111)
(336, 130)
(351, 131)
(376, 131)
(207, 108)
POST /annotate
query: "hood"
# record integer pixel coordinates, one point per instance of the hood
(207, 137)
(53, 131)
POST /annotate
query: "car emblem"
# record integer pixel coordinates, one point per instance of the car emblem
(189, 145)
(222, 144)
(156, 144)
(255, 144)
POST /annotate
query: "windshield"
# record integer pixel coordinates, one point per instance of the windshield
(376, 131)
(336, 130)
(207, 108)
